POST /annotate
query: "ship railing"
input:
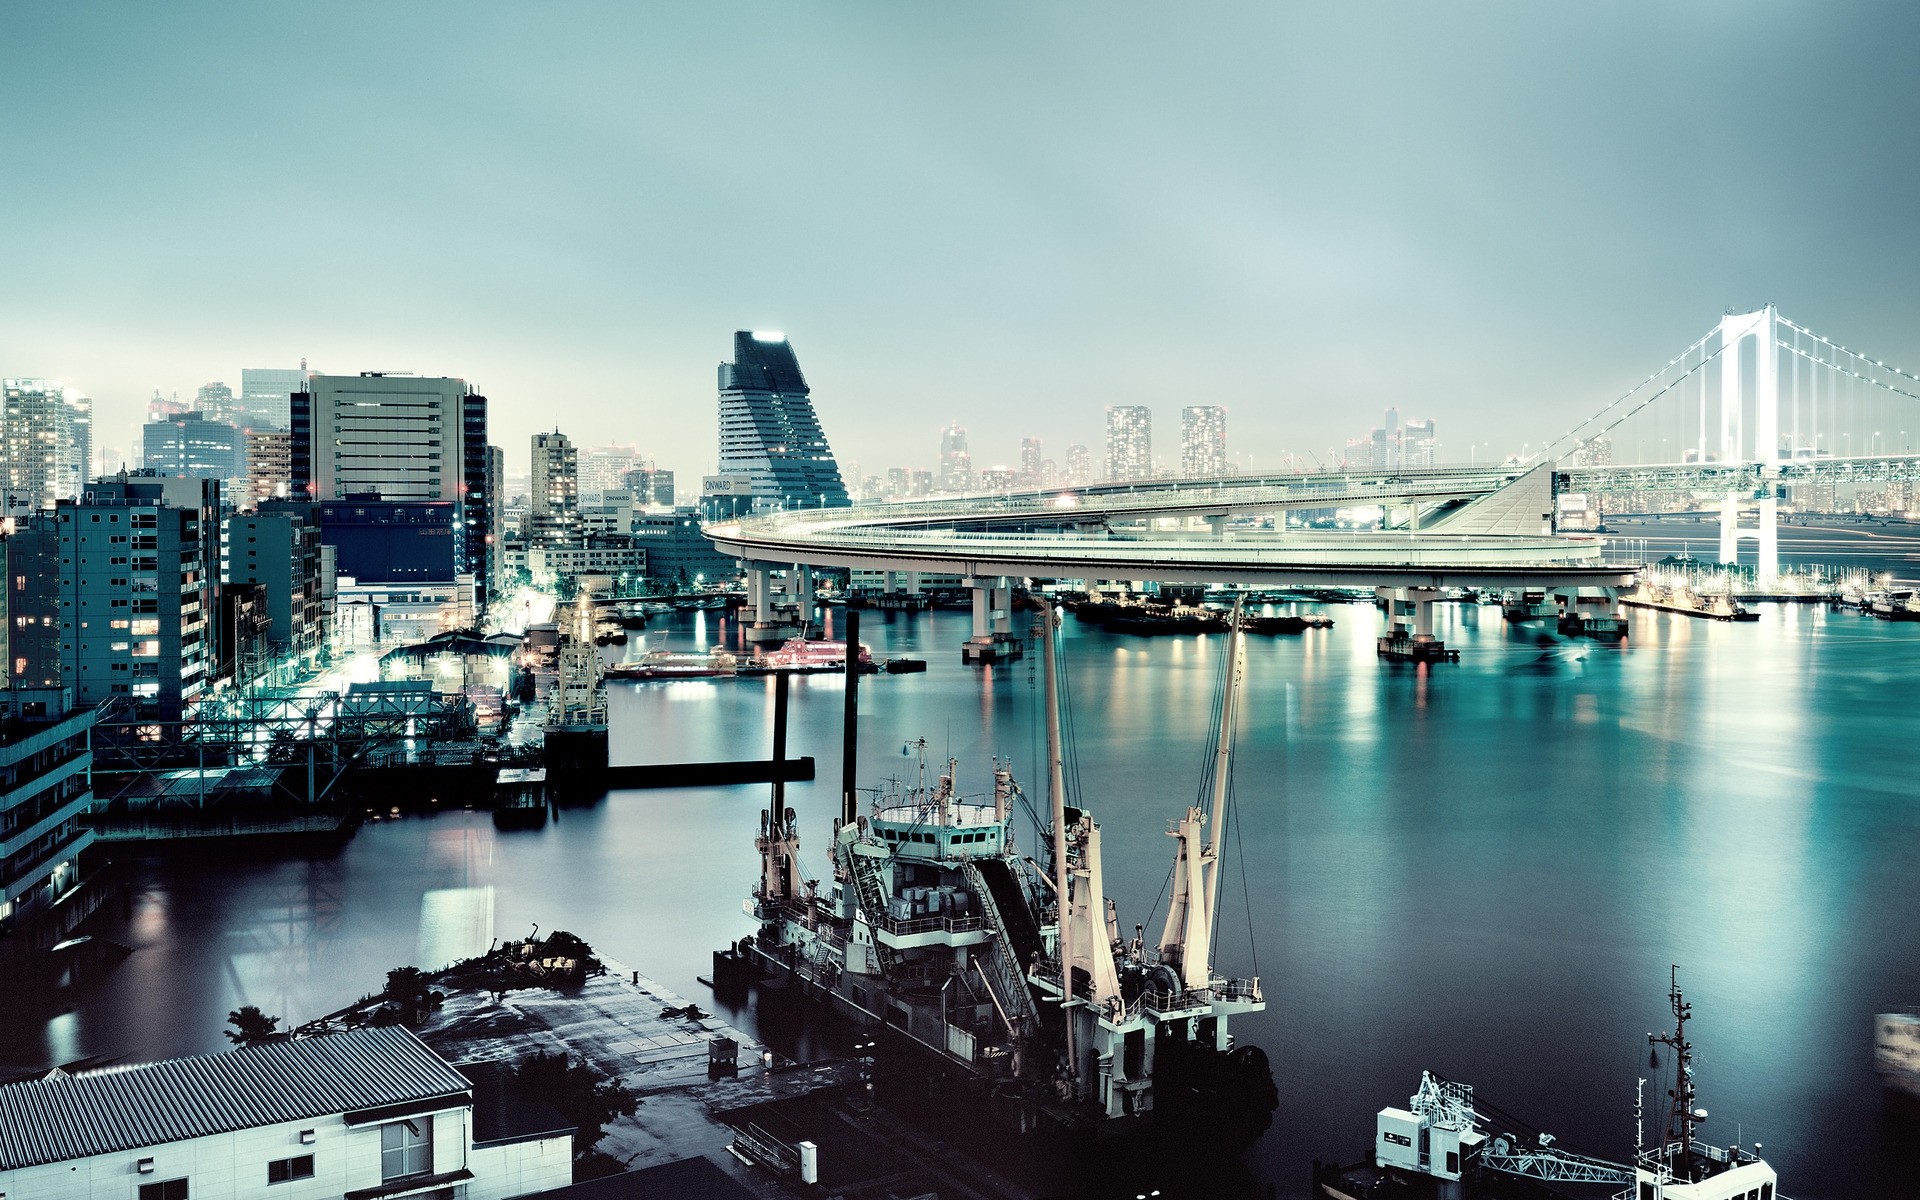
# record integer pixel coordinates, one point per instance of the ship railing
(1245, 990)
(929, 924)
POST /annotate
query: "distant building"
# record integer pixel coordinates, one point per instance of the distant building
(215, 402)
(1079, 471)
(604, 469)
(956, 465)
(242, 644)
(553, 510)
(677, 552)
(611, 554)
(266, 396)
(45, 757)
(194, 446)
(1031, 459)
(407, 438)
(1419, 443)
(496, 505)
(40, 461)
(1203, 441)
(652, 487)
(1129, 442)
(361, 1113)
(1393, 446)
(269, 457)
(995, 479)
(77, 454)
(768, 431)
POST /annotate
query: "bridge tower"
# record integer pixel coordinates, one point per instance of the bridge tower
(1763, 448)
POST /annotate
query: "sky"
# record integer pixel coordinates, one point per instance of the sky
(1499, 215)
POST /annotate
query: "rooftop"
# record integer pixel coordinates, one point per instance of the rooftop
(65, 1117)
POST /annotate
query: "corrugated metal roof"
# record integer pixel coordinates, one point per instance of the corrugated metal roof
(53, 1120)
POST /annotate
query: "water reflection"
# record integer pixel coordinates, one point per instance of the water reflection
(1482, 868)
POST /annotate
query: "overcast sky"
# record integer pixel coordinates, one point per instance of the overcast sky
(1010, 215)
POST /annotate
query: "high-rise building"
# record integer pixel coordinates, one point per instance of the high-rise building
(134, 586)
(496, 504)
(1129, 442)
(39, 461)
(768, 431)
(1079, 466)
(604, 469)
(194, 446)
(553, 512)
(45, 756)
(269, 455)
(266, 396)
(956, 465)
(161, 407)
(78, 466)
(1203, 441)
(404, 438)
(1419, 443)
(215, 402)
(1030, 460)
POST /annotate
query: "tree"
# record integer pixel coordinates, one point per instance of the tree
(581, 1094)
(251, 1027)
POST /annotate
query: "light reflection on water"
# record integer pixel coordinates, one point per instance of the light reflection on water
(1483, 868)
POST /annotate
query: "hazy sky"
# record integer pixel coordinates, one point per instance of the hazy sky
(1499, 215)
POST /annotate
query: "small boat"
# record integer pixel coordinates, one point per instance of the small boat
(1894, 606)
(1285, 623)
(905, 666)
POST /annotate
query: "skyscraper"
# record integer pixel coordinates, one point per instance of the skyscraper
(1203, 441)
(1418, 443)
(79, 465)
(1129, 442)
(956, 465)
(1079, 466)
(1030, 460)
(768, 431)
(38, 461)
(266, 395)
(553, 510)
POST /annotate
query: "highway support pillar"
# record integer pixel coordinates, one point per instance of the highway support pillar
(1409, 636)
(992, 639)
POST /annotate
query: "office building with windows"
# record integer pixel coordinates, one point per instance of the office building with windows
(769, 434)
(1129, 442)
(363, 1113)
(40, 459)
(195, 446)
(266, 396)
(956, 464)
(45, 791)
(277, 547)
(553, 506)
(134, 577)
(1203, 441)
(400, 438)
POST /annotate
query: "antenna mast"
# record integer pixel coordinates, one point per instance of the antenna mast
(1682, 1116)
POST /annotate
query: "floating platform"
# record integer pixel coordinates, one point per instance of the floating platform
(998, 648)
(1733, 612)
(1414, 650)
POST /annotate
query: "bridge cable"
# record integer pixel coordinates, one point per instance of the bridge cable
(1704, 339)
(1850, 353)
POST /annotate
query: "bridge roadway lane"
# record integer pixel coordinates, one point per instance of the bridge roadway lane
(849, 538)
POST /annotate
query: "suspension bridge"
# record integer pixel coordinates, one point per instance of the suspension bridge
(1756, 413)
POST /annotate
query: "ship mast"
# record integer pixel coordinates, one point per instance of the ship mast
(1682, 1116)
(1057, 796)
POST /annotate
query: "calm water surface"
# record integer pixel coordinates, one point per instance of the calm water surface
(1484, 869)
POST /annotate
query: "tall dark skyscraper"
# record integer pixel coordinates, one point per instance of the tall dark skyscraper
(768, 431)
(956, 465)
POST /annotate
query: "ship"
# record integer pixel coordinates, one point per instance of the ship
(811, 656)
(1009, 984)
(1448, 1144)
(676, 664)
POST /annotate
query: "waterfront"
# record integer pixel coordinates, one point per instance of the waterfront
(1484, 868)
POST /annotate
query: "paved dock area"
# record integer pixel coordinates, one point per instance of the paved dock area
(615, 1022)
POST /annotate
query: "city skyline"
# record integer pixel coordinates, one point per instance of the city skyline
(1374, 226)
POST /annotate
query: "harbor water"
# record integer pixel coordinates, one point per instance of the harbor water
(1484, 869)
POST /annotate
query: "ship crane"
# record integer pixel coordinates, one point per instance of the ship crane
(1442, 1133)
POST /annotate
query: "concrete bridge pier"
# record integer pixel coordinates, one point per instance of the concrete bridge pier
(768, 622)
(993, 639)
(1593, 612)
(1409, 636)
